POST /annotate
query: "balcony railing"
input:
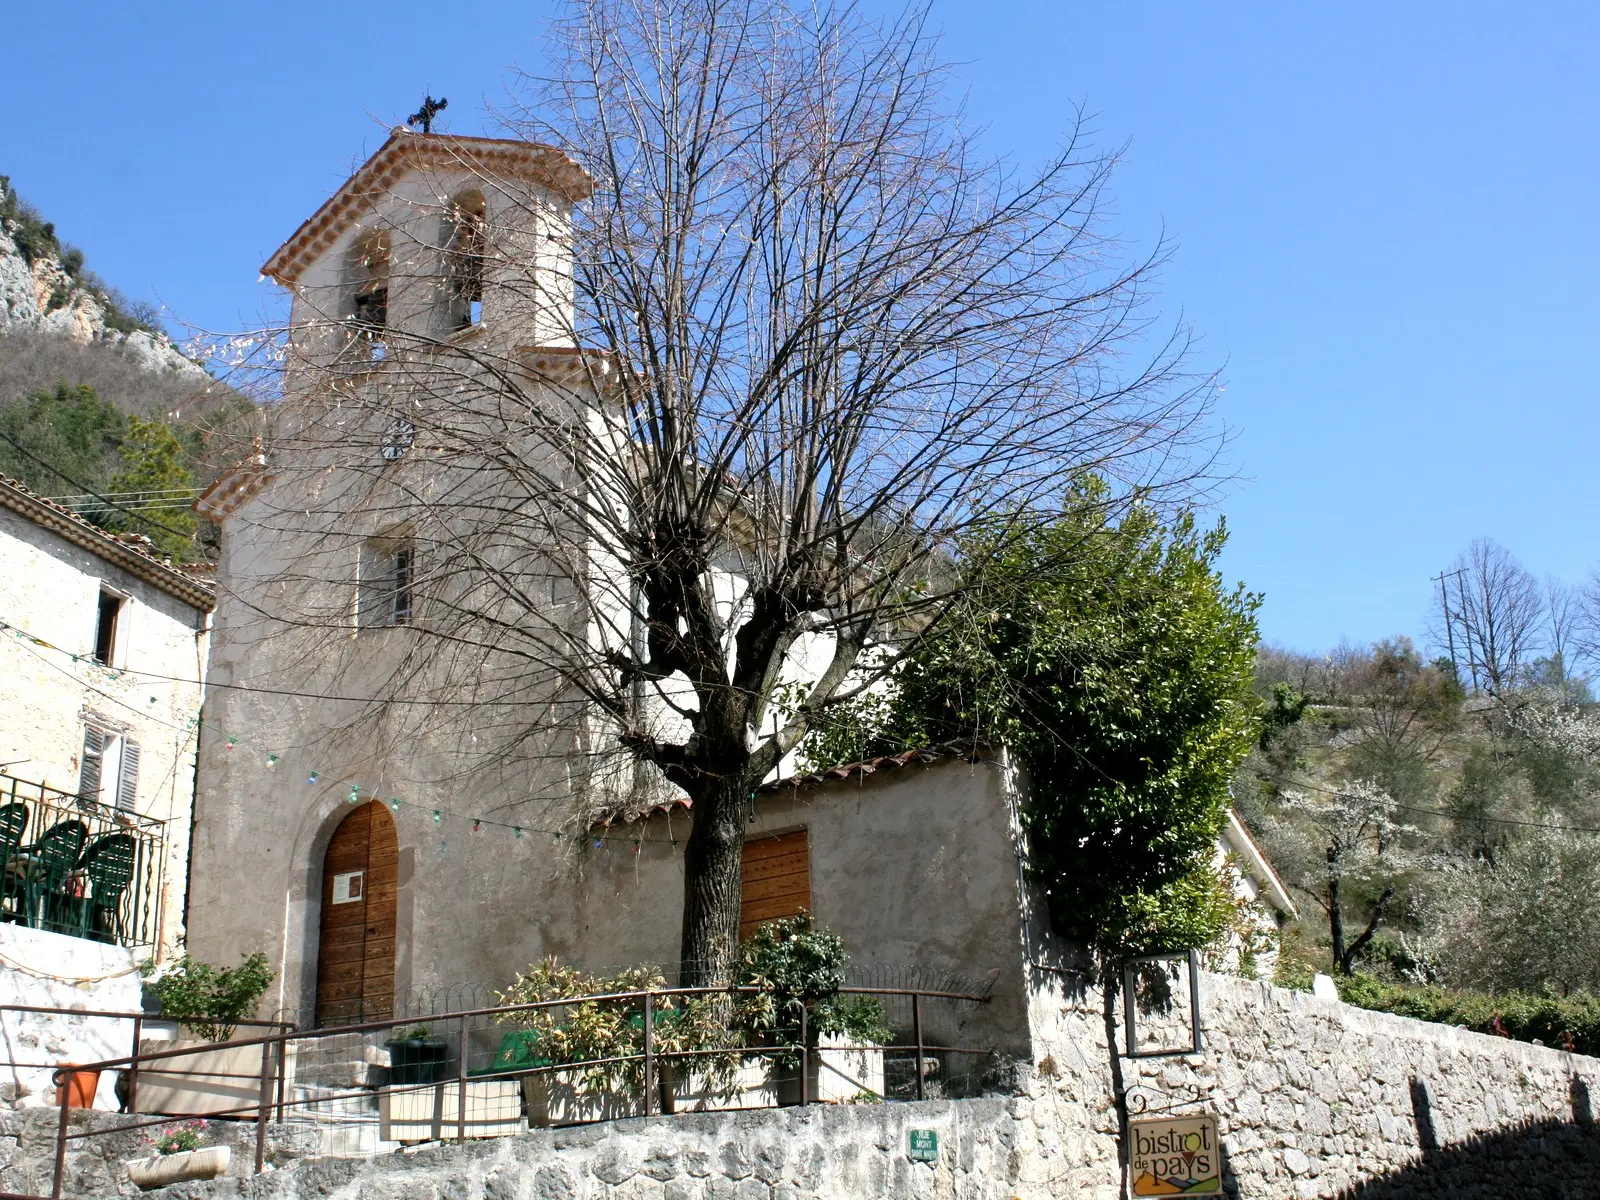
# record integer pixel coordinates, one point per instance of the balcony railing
(76, 866)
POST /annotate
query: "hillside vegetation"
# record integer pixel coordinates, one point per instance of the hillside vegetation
(1439, 821)
(97, 406)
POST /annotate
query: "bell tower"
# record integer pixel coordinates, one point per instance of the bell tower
(436, 242)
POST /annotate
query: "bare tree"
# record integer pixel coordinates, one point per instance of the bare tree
(1496, 611)
(1564, 626)
(830, 341)
(1402, 709)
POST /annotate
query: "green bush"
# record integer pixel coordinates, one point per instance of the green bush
(798, 965)
(792, 963)
(209, 1000)
(1563, 1022)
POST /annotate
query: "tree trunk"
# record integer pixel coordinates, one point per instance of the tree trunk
(1347, 956)
(713, 882)
(1335, 923)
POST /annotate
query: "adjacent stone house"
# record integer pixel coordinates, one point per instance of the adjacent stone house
(105, 649)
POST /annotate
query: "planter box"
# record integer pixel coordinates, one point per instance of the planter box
(205, 1081)
(158, 1170)
(416, 1061)
(428, 1114)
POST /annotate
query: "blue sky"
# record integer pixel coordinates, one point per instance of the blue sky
(1385, 220)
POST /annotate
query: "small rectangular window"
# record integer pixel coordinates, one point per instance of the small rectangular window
(105, 628)
(387, 587)
(777, 880)
(372, 312)
(400, 608)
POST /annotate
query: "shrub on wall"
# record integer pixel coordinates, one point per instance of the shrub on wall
(209, 1001)
(1562, 1022)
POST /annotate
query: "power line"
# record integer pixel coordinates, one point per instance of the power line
(244, 687)
(1440, 812)
(145, 501)
(87, 491)
(316, 776)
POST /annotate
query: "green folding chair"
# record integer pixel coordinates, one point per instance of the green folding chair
(50, 863)
(13, 821)
(108, 864)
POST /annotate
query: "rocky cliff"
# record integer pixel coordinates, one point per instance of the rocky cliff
(45, 288)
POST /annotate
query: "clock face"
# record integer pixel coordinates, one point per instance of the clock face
(401, 434)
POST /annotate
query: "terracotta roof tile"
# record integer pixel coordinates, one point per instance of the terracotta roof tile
(122, 552)
(966, 751)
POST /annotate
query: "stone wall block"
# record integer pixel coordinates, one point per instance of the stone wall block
(555, 1182)
(613, 1164)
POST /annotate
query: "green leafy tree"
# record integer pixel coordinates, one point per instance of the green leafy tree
(1114, 661)
(71, 428)
(153, 464)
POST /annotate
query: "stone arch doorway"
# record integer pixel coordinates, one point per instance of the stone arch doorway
(356, 942)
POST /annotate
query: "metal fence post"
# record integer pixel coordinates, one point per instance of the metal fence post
(133, 1066)
(263, 1106)
(649, 1053)
(61, 1135)
(916, 1028)
(283, 1072)
(461, 1082)
(805, 1058)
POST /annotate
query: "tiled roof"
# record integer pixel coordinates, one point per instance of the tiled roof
(404, 151)
(60, 520)
(965, 751)
(231, 489)
(949, 752)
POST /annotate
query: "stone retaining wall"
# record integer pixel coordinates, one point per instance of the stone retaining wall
(1313, 1099)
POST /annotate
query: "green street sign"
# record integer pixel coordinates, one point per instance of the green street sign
(924, 1146)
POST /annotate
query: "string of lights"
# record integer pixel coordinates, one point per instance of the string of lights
(274, 760)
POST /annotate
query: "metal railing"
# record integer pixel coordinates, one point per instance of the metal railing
(645, 1081)
(75, 866)
(139, 1022)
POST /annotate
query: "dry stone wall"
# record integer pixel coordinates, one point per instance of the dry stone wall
(1318, 1099)
(1313, 1099)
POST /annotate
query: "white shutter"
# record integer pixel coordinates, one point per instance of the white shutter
(128, 775)
(94, 747)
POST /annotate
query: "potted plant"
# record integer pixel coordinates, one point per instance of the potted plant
(180, 1154)
(798, 966)
(416, 1056)
(207, 1002)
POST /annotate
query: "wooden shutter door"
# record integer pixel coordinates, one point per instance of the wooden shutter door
(356, 951)
(777, 880)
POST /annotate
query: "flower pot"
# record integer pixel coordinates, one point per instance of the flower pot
(158, 1170)
(419, 1060)
(78, 1088)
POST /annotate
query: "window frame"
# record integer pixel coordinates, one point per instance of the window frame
(386, 596)
(466, 259)
(113, 638)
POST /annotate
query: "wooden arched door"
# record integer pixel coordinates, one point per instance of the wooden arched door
(355, 954)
